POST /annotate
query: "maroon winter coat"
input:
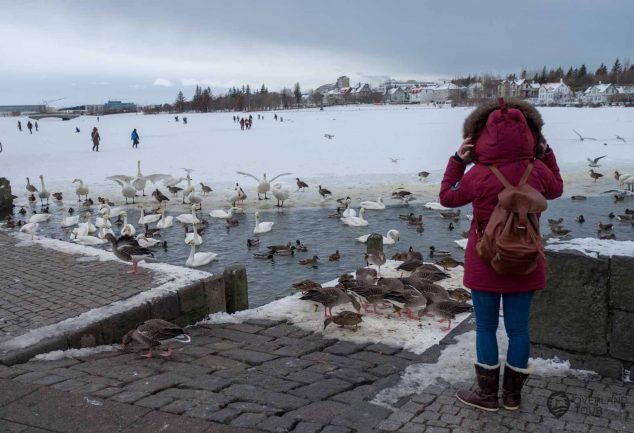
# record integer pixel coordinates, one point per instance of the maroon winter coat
(506, 141)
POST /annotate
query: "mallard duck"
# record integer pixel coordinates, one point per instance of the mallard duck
(276, 248)
(263, 256)
(344, 318)
(580, 219)
(205, 189)
(407, 217)
(376, 258)
(446, 310)
(409, 301)
(347, 280)
(459, 294)
(434, 252)
(420, 228)
(449, 262)
(306, 285)
(454, 215)
(57, 196)
(330, 297)
(605, 227)
(334, 257)
(253, 242)
(414, 221)
(300, 247)
(313, 261)
(337, 214)
(556, 222)
(128, 249)
(606, 236)
(559, 231)
(156, 332)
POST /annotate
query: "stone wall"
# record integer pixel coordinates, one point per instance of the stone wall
(586, 314)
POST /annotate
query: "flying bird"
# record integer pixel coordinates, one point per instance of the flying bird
(618, 137)
(329, 136)
(581, 137)
(594, 162)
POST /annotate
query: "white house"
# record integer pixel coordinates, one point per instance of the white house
(554, 93)
(475, 90)
(396, 95)
(448, 92)
(421, 94)
(599, 93)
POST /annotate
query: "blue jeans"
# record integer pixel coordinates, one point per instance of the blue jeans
(516, 307)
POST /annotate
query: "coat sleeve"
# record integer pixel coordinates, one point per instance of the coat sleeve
(454, 192)
(554, 187)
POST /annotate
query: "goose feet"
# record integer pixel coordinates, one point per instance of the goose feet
(147, 355)
(167, 353)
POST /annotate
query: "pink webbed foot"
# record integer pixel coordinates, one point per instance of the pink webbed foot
(167, 353)
(147, 355)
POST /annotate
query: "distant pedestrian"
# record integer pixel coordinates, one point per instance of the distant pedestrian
(250, 117)
(97, 118)
(281, 119)
(96, 139)
(135, 139)
(19, 125)
(77, 130)
(275, 117)
(37, 127)
(185, 120)
(242, 123)
(176, 118)
(30, 126)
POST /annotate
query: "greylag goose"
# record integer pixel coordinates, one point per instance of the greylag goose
(29, 187)
(324, 193)
(376, 258)
(264, 185)
(409, 265)
(409, 301)
(369, 295)
(127, 248)
(330, 297)
(366, 275)
(301, 184)
(159, 197)
(58, 196)
(344, 318)
(429, 289)
(594, 175)
(449, 262)
(156, 332)
(446, 310)
(205, 189)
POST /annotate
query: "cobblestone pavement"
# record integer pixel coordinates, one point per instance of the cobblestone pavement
(41, 286)
(264, 376)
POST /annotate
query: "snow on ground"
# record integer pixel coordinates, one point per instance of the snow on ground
(593, 247)
(74, 353)
(355, 162)
(416, 336)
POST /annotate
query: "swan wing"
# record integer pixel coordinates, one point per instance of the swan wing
(250, 175)
(279, 175)
(120, 178)
(156, 178)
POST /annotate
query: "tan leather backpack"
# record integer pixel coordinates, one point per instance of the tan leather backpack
(511, 242)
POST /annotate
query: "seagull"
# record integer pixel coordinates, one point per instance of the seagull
(581, 137)
(594, 162)
(394, 160)
(329, 136)
(264, 185)
(618, 137)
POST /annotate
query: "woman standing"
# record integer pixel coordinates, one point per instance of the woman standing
(135, 139)
(96, 139)
(506, 135)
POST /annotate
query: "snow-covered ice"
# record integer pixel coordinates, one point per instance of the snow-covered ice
(593, 247)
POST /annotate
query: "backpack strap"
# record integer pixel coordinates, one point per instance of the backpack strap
(524, 178)
(505, 182)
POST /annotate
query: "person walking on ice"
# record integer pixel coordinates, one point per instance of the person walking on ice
(135, 139)
(96, 139)
(30, 126)
(20, 126)
(37, 127)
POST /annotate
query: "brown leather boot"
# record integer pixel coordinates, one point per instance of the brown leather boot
(483, 395)
(512, 384)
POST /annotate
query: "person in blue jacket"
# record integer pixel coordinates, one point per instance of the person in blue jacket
(135, 139)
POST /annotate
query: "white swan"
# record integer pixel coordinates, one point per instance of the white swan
(189, 218)
(261, 227)
(434, 205)
(81, 189)
(193, 237)
(189, 189)
(127, 229)
(390, 239)
(127, 190)
(264, 185)
(462, 243)
(356, 221)
(140, 181)
(281, 192)
(222, 214)
(43, 193)
(148, 242)
(30, 228)
(40, 217)
(198, 259)
(89, 240)
(148, 219)
(195, 198)
(373, 205)
(349, 212)
(69, 221)
(165, 221)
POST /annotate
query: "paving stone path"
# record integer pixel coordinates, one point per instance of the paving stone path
(41, 286)
(265, 376)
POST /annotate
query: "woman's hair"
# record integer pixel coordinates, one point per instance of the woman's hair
(474, 124)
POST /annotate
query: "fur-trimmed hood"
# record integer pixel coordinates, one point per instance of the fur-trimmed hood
(504, 134)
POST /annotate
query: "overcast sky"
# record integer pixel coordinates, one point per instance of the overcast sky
(145, 51)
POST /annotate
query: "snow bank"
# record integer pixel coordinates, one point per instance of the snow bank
(593, 247)
(74, 353)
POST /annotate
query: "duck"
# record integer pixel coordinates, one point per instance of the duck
(312, 261)
(446, 310)
(43, 193)
(422, 175)
(407, 217)
(454, 215)
(189, 218)
(261, 227)
(415, 221)
(198, 259)
(264, 185)
(300, 246)
(29, 187)
(205, 189)
(376, 258)
(127, 248)
(306, 285)
(253, 242)
(263, 256)
(301, 185)
(595, 175)
(580, 219)
(356, 221)
(369, 294)
(330, 297)
(165, 221)
(349, 212)
(281, 194)
(605, 227)
(58, 196)
(459, 294)
(81, 189)
(344, 318)
(450, 227)
(153, 333)
(337, 214)
(391, 237)
(87, 204)
(275, 248)
(334, 257)
(373, 205)
(578, 197)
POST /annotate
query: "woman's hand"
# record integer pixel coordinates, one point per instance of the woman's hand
(542, 148)
(465, 151)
